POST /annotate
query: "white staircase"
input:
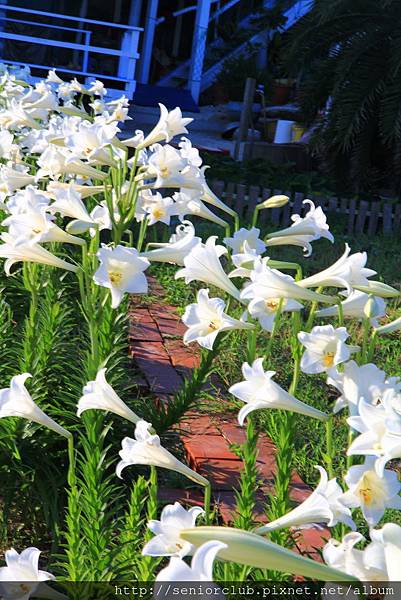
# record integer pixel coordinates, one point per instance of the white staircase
(179, 76)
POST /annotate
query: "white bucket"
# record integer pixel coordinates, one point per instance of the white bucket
(283, 132)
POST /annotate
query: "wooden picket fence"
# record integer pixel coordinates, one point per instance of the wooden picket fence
(358, 216)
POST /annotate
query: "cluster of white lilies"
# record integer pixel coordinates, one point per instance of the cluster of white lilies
(66, 179)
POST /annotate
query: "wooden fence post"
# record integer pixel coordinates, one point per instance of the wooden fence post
(246, 112)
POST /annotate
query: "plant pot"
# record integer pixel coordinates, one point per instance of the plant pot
(297, 132)
(281, 93)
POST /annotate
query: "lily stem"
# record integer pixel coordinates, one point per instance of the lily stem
(314, 306)
(251, 345)
(329, 447)
(207, 500)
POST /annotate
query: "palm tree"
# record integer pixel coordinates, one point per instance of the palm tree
(347, 55)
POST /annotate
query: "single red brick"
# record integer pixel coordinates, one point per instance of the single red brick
(223, 474)
(170, 327)
(145, 331)
(165, 311)
(161, 376)
(140, 315)
(299, 492)
(311, 539)
(149, 350)
(210, 446)
(197, 424)
(233, 433)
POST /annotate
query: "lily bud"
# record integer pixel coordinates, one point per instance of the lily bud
(274, 202)
(378, 288)
(250, 549)
(371, 308)
(393, 326)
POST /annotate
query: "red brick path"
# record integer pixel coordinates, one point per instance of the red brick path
(155, 341)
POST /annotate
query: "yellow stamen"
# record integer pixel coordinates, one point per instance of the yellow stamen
(366, 495)
(115, 277)
(158, 212)
(272, 304)
(328, 359)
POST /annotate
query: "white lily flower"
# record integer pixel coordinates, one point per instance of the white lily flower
(135, 141)
(52, 77)
(97, 88)
(248, 236)
(355, 306)
(92, 141)
(55, 162)
(121, 270)
(27, 200)
(21, 578)
(99, 220)
(6, 143)
(201, 568)
(158, 209)
(266, 311)
(244, 261)
(267, 283)
(379, 561)
(348, 271)
(371, 493)
(322, 506)
(203, 264)
(303, 241)
(390, 538)
(206, 319)
(37, 227)
(356, 382)
(258, 391)
(210, 197)
(99, 395)
(165, 162)
(13, 179)
(305, 229)
(390, 327)
(85, 191)
(325, 348)
(188, 202)
(178, 246)
(68, 203)
(170, 124)
(380, 431)
(146, 449)
(363, 564)
(189, 153)
(16, 116)
(247, 548)
(167, 541)
(189, 177)
(29, 253)
(16, 401)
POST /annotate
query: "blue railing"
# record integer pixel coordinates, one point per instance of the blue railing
(127, 53)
